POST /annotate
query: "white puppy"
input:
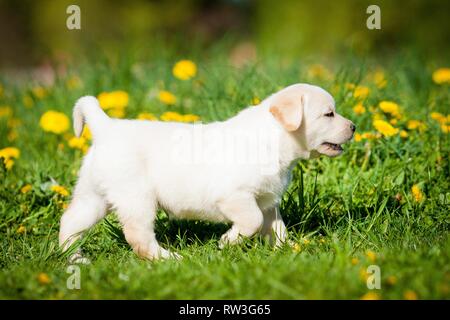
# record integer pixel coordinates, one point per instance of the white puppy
(189, 170)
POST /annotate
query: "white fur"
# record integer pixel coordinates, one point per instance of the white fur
(133, 167)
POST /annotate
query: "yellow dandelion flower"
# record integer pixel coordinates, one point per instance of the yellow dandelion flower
(53, 121)
(366, 135)
(363, 275)
(357, 137)
(77, 143)
(9, 163)
(410, 295)
(60, 190)
(190, 118)
(391, 108)
(73, 83)
(371, 256)
(403, 134)
(184, 69)
(21, 230)
(9, 152)
(371, 135)
(166, 97)
(379, 79)
(67, 135)
(417, 193)
(415, 124)
(391, 280)
(175, 116)
(5, 111)
(39, 92)
(349, 86)
(113, 100)
(147, 116)
(319, 71)
(361, 92)
(355, 261)
(385, 128)
(26, 188)
(445, 128)
(171, 116)
(441, 76)
(296, 248)
(27, 101)
(371, 296)
(256, 101)
(86, 133)
(393, 121)
(359, 109)
(439, 117)
(116, 113)
(377, 116)
(43, 278)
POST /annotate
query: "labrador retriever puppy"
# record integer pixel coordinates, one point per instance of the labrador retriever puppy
(232, 171)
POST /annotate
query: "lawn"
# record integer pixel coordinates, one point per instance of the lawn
(384, 202)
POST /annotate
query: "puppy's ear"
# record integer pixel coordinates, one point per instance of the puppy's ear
(288, 110)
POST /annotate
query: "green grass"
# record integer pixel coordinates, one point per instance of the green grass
(336, 209)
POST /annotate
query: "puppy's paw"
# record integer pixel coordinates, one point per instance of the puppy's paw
(176, 256)
(166, 254)
(229, 238)
(77, 258)
(159, 253)
(224, 241)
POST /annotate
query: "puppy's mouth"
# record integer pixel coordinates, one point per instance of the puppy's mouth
(333, 146)
(330, 149)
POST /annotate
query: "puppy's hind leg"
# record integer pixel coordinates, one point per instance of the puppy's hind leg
(85, 210)
(137, 215)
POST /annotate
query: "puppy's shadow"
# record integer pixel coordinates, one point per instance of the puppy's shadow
(186, 232)
(175, 233)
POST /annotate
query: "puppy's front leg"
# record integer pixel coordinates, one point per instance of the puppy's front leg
(274, 227)
(243, 211)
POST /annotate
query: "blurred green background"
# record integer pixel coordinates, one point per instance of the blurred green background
(34, 31)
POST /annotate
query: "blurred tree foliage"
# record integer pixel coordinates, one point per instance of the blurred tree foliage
(327, 26)
(31, 30)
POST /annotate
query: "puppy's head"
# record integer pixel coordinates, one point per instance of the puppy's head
(309, 114)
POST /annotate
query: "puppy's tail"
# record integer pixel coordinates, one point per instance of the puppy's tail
(87, 110)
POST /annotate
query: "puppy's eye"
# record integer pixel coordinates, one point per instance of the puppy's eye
(329, 114)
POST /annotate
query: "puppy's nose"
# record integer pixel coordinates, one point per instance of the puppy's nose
(352, 127)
